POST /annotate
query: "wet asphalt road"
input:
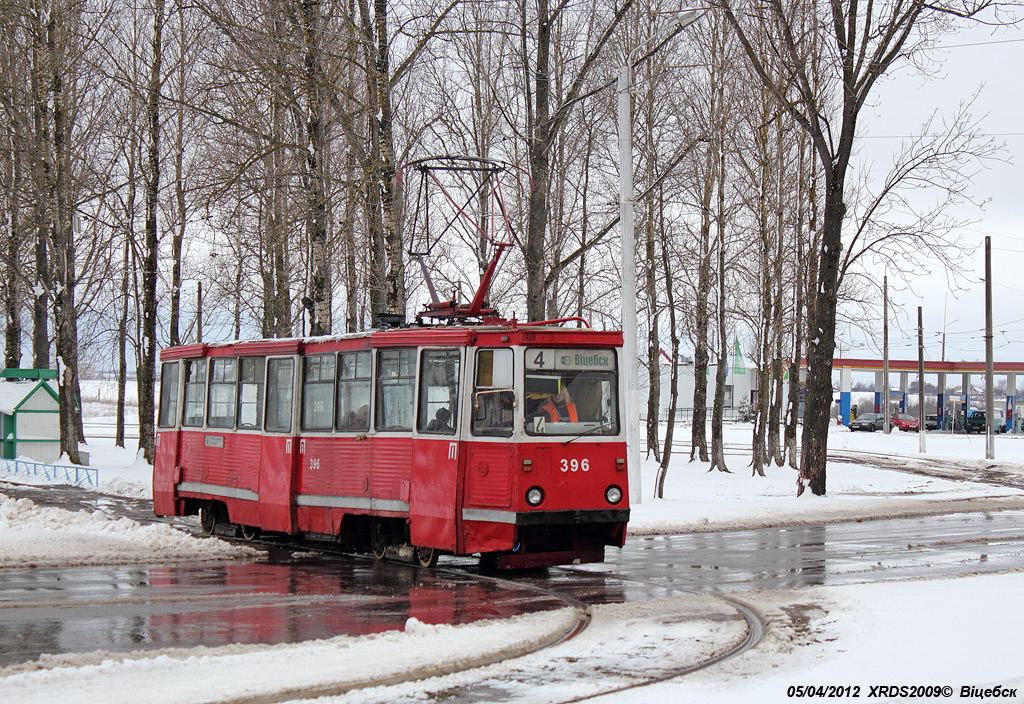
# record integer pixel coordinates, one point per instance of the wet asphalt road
(294, 596)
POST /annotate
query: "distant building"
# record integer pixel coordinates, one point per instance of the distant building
(30, 414)
(740, 385)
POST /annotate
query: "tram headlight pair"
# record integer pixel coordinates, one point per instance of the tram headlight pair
(534, 495)
(613, 494)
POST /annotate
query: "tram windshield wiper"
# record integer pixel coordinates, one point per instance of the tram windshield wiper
(603, 426)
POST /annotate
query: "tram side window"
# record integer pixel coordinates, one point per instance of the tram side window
(195, 392)
(168, 395)
(223, 392)
(318, 392)
(493, 397)
(280, 373)
(250, 391)
(439, 392)
(396, 379)
(353, 411)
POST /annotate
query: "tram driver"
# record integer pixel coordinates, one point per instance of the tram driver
(559, 408)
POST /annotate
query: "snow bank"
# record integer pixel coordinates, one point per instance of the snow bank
(309, 669)
(32, 535)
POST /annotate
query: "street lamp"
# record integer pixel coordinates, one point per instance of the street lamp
(680, 20)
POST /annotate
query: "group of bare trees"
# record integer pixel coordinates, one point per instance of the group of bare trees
(249, 152)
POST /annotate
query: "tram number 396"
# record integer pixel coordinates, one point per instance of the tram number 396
(575, 465)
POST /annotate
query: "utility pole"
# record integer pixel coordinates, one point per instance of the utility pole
(885, 353)
(199, 312)
(990, 439)
(920, 379)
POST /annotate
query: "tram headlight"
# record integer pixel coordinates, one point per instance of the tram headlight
(534, 495)
(613, 494)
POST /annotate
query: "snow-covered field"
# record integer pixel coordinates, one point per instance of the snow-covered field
(953, 632)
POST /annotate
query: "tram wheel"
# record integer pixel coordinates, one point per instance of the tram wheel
(250, 532)
(378, 539)
(426, 557)
(207, 518)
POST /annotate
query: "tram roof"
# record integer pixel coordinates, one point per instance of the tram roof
(506, 334)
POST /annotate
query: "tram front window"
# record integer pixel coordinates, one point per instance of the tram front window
(571, 392)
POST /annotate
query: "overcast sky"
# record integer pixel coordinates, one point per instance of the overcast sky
(977, 60)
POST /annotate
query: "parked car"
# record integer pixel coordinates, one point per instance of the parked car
(905, 421)
(931, 422)
(868, 421)
(976, 422)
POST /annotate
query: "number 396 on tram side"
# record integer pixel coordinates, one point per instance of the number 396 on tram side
(502, 440)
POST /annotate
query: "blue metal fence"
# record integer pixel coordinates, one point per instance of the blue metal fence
(63, 473)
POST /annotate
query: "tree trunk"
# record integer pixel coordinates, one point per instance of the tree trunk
(178, 238)
(821, 348)
(666, 456)
(718, 411)
(316, 168)
(701, 343)
(42, 173)
(653, 346)
(12, 255)
(65, 315)
(147, 363)
(122, 345)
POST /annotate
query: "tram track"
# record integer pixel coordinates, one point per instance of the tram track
(998, 474)
(582, 612)
(756, 628)
(754, 623)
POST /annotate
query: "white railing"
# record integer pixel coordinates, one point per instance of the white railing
(62, 473)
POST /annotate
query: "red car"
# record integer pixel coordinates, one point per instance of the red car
(905, 421)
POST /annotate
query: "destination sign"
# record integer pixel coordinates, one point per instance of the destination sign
(570, 360)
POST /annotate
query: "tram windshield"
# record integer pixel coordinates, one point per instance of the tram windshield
(571, 392)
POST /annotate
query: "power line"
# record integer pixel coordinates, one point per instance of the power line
(988, 43)
(919, 136)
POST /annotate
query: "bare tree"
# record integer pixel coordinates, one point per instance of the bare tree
(866, 41)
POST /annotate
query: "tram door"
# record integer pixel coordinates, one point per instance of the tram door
(435, 495)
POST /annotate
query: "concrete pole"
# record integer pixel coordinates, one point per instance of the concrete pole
(920, 380)
(630, 361)
(990, 406)
(885, 353)
(630, 358)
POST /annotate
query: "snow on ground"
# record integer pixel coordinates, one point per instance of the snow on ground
(36, 536)
(952, 632)
(698, 500)
(183, 676)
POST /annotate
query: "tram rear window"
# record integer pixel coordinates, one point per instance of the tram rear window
(168, 395)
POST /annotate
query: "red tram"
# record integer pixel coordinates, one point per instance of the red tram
(501, 439)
